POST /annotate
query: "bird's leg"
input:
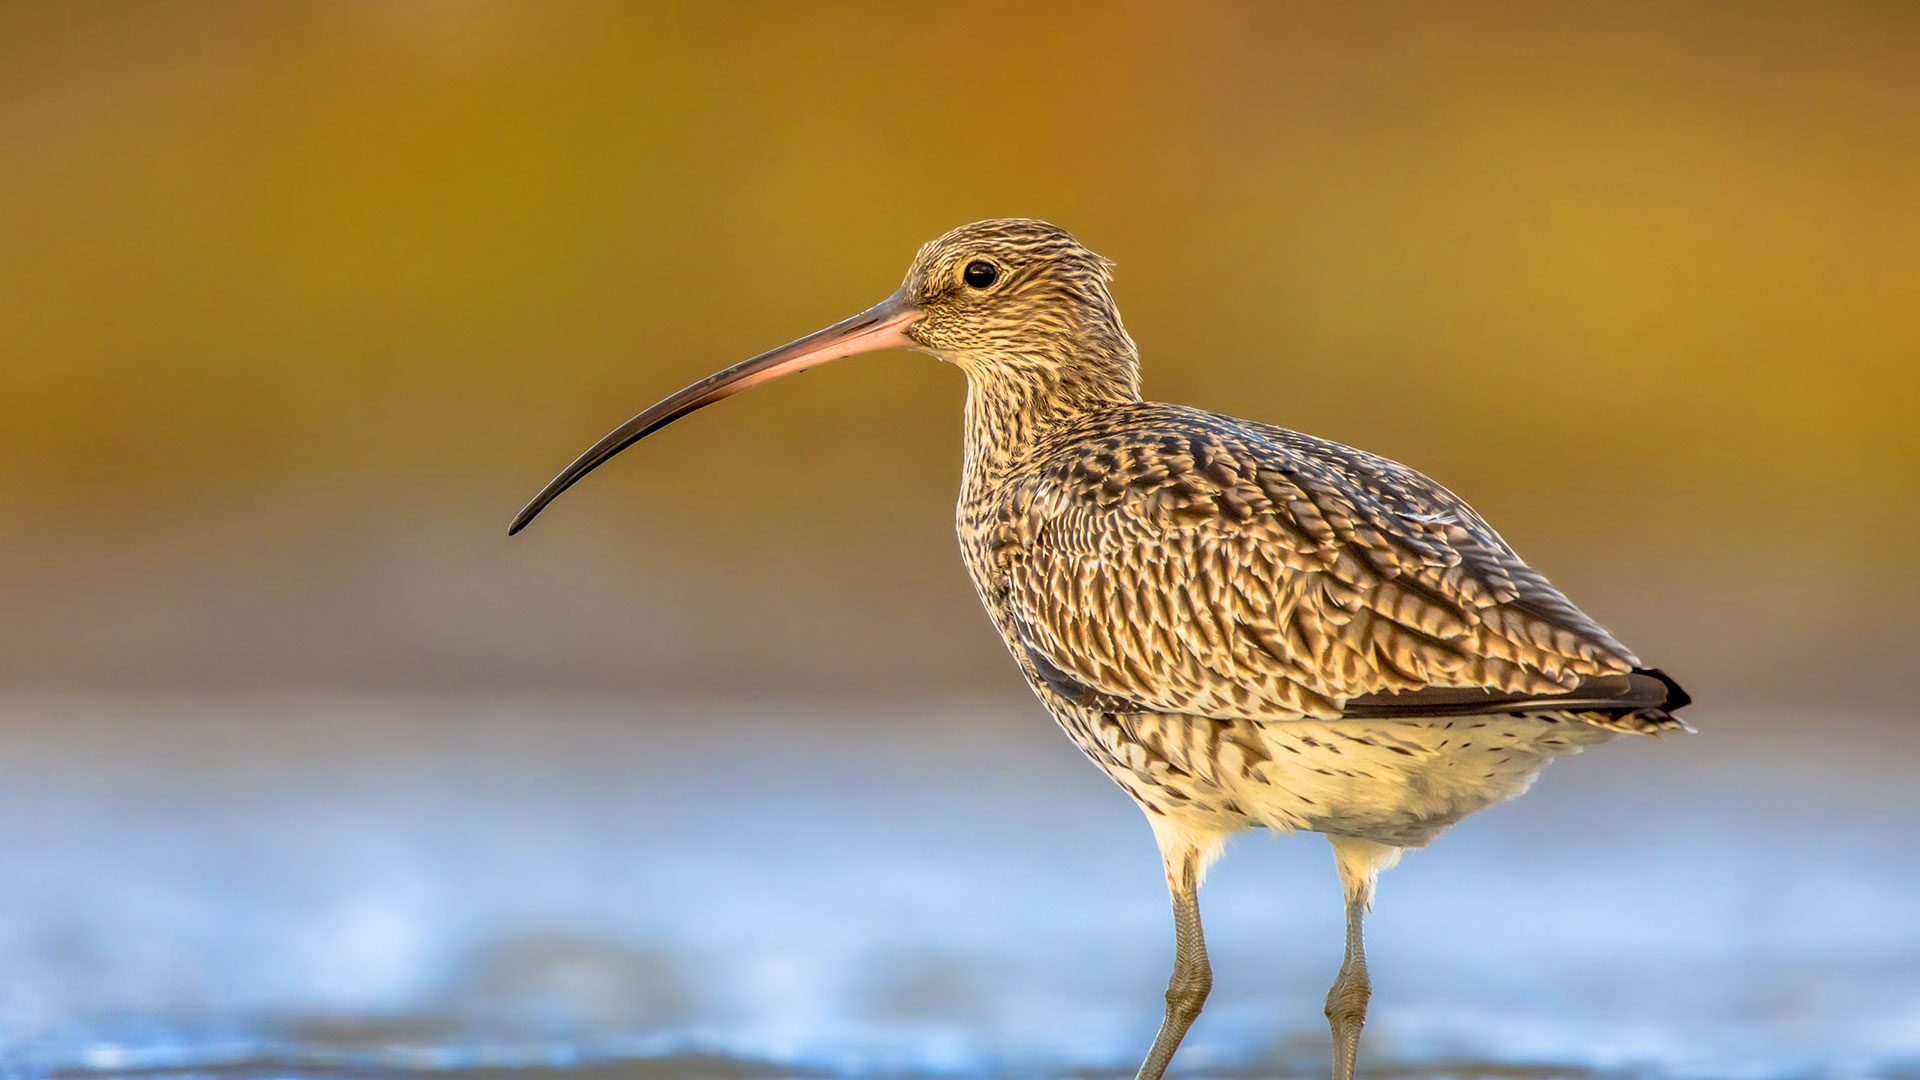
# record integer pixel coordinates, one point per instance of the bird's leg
(1192, 976)
(1360, 862)
(1347, 1001)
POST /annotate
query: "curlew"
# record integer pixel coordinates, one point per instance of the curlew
(1241, 625)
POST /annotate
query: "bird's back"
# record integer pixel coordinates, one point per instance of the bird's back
(1157, 558)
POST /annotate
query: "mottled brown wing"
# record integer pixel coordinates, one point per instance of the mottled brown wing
(1194, 564)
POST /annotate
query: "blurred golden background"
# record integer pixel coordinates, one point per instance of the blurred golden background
(300, 302)
(307, 769)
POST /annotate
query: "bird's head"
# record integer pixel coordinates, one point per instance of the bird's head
(1012, 291)
(1018, 304)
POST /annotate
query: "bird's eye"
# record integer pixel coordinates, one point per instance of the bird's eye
(980, 274)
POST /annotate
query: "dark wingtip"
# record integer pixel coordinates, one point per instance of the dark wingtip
(1677, 698)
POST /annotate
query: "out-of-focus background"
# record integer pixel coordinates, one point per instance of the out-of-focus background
(719, 768)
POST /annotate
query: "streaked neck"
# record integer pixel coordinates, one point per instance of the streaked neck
(1013, 400)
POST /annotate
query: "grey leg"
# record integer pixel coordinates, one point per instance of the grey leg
(1347, 1001)
(1192, 977)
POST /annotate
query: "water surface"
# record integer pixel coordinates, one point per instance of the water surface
(383, 887)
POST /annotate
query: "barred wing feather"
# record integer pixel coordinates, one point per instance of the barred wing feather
(1212, 567)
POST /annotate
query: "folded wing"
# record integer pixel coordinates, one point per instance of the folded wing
(1213, 567)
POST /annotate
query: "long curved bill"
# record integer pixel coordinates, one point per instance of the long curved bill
(881, 326)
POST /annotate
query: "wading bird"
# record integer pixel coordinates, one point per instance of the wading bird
(1243, 626)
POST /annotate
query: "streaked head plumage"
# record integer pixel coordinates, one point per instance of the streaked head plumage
(1009, 288)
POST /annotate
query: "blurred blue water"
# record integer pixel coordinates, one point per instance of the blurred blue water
(354, 887)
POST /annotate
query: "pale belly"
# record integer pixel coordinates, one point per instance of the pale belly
(1393, 782)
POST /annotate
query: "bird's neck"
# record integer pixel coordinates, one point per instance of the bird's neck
(1014, 400)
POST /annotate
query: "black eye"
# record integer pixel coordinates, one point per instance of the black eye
(980, 274)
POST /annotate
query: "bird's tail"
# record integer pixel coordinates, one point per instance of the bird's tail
(1647, 719)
